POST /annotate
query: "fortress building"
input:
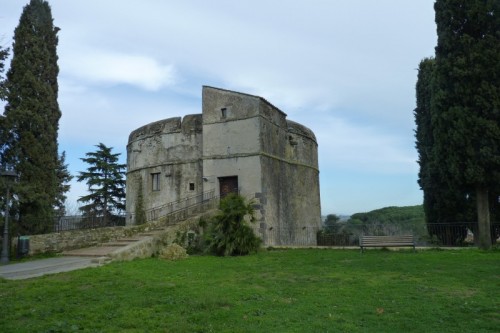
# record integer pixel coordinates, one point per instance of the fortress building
(240, 143)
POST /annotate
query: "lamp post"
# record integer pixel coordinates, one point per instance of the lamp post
(7, 174)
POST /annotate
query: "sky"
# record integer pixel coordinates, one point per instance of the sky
(346, 69)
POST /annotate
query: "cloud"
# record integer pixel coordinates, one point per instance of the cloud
(347, 146)
(114, 68)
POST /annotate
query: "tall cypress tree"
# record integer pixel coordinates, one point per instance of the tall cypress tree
(424, 137)
(32, 117)
(466, 102)
(444, 203)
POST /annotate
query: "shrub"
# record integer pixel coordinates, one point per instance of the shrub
(173, 252)
(228, 232)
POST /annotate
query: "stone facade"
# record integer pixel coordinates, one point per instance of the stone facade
(240, 143)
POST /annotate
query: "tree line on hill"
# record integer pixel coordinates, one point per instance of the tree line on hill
(458, 120)
(383, 222)
(29, 134)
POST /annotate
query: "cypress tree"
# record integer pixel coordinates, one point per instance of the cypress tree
(424, 138)
(32, 117)
(444, 204)
(3, 55)
(466, 103)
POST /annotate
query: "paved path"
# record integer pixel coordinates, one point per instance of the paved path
(71, 260)
(41, 267)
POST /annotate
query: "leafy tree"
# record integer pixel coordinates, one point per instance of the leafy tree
(106, 184)
(332, 223)
(466, 103)
(30, 127)
(229, 234)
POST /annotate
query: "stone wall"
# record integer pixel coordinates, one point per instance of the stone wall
(170, 149)
(76, 239)
(237, 137)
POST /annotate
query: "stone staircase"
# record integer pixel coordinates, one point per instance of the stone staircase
(157, 233)
(108, 251)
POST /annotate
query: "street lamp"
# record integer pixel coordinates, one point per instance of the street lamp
(7, 174)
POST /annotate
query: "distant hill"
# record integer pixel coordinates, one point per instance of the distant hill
(392, 215)
(386, 221)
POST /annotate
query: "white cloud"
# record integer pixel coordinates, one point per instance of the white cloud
(110, 67)
(347, 146)
(344, 68)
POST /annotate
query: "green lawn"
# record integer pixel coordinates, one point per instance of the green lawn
(274, 291)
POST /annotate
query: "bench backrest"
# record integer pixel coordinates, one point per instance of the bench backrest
(387, 240)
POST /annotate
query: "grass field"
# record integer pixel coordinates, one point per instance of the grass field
(274, 291)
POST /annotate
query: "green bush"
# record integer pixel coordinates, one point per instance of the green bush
(228, 233)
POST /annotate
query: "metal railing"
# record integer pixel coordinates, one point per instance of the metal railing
(176, 206)
(457, 234)
(432, 234)
(79, 222)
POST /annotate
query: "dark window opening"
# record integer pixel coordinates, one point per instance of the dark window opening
(191, 186)
(223, 113)
(155, 181)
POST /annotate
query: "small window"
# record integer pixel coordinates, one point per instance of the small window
(191, 186)
(155, 181)
(223, 113)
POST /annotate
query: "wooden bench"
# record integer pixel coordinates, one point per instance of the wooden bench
(386, 241)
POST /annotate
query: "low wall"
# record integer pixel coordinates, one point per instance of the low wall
(77, 239)
(153, 244)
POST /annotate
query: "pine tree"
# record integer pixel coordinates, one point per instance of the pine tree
(106, 184)
(31, 123)
(466, 102)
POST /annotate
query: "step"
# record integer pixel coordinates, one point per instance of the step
(97, 251)
(117, 244)
(100, 260)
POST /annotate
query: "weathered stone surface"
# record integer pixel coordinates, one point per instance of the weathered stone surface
(163, 232)
(238, 136)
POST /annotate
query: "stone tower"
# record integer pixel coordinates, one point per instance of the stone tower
(240, 143)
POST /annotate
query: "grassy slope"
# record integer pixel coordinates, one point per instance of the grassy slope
(397, 215)
(277, 291)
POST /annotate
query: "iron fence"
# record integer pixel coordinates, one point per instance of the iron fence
(457, 234)
(79, 222)
(432, 234)
(172, 207)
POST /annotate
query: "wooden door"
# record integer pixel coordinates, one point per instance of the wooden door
(228, 185)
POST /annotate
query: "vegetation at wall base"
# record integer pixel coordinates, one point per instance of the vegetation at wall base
(228, 232)
(272, 291)
(140, 212)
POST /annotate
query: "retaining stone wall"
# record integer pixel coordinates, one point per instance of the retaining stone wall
(77, 239)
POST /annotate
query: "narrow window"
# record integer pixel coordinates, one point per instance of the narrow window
(155, 181)
(191, 186)
(223, 113)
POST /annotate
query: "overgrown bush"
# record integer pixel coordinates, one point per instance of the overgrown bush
(228, 232)
(173, 252)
